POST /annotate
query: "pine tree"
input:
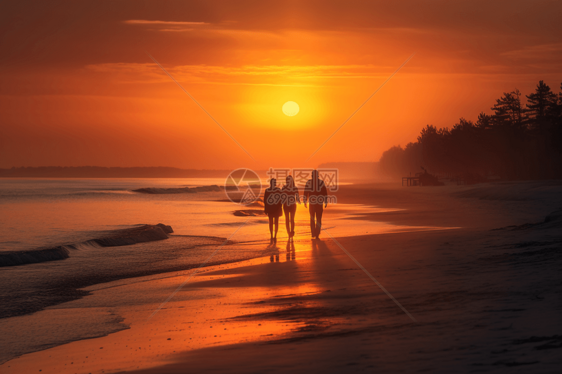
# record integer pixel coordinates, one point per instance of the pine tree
(484, 121)
(541, 104)
(507, 110)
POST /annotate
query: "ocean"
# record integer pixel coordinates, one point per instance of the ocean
(66, 214)
(57, 219)
(51, 225)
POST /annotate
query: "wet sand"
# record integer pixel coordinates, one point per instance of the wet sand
(483, 300)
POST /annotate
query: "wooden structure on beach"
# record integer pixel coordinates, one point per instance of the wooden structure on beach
(411, 181)
(422, 179)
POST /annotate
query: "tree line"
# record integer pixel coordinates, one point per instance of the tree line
(515, 142)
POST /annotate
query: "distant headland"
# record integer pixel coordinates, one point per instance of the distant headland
(108, 172)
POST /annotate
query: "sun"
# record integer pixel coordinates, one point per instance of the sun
(290, 108)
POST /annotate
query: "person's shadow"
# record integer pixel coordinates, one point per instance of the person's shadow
(320, 248)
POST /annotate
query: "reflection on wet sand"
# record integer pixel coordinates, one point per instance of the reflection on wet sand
(290, 252)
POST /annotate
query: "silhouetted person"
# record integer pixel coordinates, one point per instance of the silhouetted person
(290, 200)
(273, 208)
(316, 194)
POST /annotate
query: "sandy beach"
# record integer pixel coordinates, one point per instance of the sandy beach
(479, 277)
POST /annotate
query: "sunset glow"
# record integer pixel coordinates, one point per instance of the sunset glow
(94, 97)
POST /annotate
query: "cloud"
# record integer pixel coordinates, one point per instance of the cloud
(166, 26)
(149, 73)
(162, 23)
(534, 52)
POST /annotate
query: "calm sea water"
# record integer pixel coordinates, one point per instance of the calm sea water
(39, 213)
(44, 213)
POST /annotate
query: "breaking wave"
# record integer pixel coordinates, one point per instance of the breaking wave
(139, 234)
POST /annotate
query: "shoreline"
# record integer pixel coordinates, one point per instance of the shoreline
(305, 305)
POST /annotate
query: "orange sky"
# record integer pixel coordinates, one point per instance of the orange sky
(78, 88)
